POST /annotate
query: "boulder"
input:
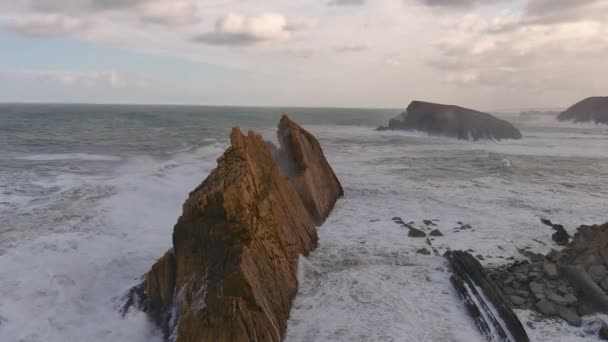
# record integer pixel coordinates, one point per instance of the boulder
(546, 307)
(435, 233)
(231, 275)
(452, 121)
(592, 109)
(416, 233)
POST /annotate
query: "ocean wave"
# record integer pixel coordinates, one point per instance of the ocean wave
(68, 156)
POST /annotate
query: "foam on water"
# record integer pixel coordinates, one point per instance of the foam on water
(66, 285)
(79, 228)
(367, 283)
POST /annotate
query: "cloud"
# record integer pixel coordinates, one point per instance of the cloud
(239, 29)
(161, 12)
(352, 48)
(45, 25)
(87, 79)
(346, 2)
(458, 4)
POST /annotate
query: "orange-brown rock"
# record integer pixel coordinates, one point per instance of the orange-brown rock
(304, 163)
(232, 272)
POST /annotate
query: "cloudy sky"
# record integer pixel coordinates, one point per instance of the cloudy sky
(488, 54)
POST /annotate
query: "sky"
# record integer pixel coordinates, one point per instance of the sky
(484, 54)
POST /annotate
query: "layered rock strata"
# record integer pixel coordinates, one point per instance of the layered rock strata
(231, 274)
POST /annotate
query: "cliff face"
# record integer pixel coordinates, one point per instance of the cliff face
(231, 275)
(304, 164)
(592, 109)
(453, 121)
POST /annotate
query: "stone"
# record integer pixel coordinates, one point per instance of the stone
(522, 277)
(452, 121)
(416, 233)
(569, 316)
(522, 293)
(546, 307)
(555, 298)
(480, 257)
(536, 287)
(550, 270)
(570, 299)
(603, 333)
(232, 272)
(423, 251)
(604, 284)
(517, 301)
(562, 290)
(428, 222)
(597, 272)
(436, 233)
(397, 218)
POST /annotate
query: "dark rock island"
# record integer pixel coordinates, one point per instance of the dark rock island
(592, 109)
(452, 121)
(232, 272)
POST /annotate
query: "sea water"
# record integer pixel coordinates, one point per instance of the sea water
(89, 195)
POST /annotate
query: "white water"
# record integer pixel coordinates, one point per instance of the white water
(66, 286)
(365, 282)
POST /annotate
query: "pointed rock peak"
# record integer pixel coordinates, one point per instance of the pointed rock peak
(303, 162)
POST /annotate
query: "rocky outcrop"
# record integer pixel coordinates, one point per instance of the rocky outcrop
(592, 109)
(567, 284)
(231, 275)
(484, 300)
(304, 164)
(452, 121)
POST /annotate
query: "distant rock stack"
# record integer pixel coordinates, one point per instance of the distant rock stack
(592, 109)
(452, 121)
(231, 275)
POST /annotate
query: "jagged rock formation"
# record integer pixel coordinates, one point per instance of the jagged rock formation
(484, 300)
(566, 284)
(452, 121)
(591, 109)
(231, 275)
(304, 164)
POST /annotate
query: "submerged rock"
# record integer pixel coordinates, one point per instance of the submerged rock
(452, 121)
(416, 233)
(592, 109)
(231, 275)
(436, 233)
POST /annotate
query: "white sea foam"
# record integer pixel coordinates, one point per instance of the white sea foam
(365, 282)
(66, 286)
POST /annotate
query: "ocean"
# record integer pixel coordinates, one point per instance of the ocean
(89, 195)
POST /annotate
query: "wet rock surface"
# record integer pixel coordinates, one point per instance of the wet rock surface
(452, 121)
(566, 284)
(484, 300)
